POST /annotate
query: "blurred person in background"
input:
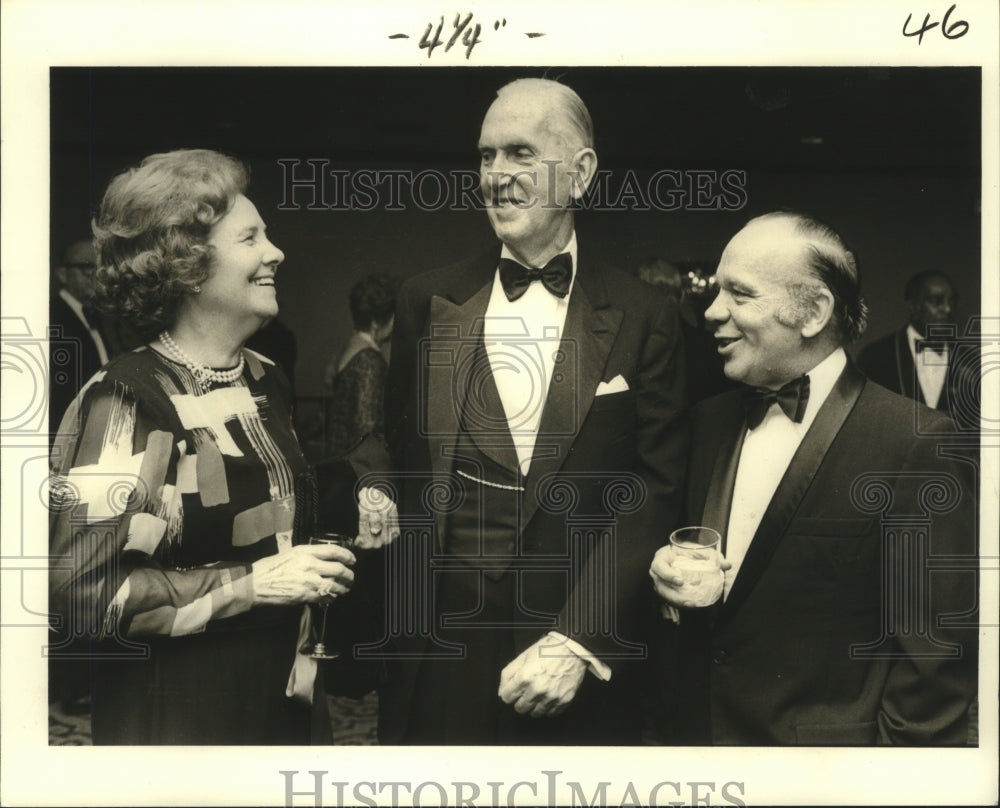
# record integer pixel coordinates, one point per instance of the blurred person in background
(355, 380)
(78, 347)
(79, 340)
(917, 361)
(703, 365)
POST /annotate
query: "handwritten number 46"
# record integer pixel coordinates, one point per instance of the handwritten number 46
(957, 29)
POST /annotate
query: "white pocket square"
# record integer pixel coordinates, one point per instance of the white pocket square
(616, 385)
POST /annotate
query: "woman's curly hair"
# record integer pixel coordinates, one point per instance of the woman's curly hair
(151, 233)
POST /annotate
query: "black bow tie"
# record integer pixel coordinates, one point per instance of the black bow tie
(929, 344)
(792, 398)
(555, 276)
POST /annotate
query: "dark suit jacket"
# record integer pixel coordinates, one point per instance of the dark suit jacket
(827, 636)
(614, 451)
(889, 362)
(73, 358)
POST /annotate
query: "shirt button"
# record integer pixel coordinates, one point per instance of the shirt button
(720, 657)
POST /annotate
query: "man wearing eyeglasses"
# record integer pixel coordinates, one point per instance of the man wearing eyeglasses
(77, 348)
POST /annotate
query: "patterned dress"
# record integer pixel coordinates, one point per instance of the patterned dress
(355, 408)
(163, 495)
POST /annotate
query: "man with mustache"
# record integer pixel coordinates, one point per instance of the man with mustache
(834, 510)
(533, 405)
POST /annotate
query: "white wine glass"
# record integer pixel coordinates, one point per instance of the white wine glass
(320, 650)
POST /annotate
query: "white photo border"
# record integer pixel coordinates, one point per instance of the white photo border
(46, 33)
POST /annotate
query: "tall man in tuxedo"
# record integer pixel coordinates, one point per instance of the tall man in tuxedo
(533, 405)
(78, 347)
(831, 629)
(917, 362)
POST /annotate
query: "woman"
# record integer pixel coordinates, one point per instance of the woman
(174, 496)
(357, 380)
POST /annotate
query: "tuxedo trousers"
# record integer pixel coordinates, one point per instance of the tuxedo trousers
(456, 699)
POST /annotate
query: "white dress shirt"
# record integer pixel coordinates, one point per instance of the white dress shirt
(77, 308)
(764, 458)
(522, 337)
(932, 367)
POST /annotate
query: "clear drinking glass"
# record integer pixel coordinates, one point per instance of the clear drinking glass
(319, 649)
(696, 558)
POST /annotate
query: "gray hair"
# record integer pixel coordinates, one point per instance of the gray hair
(575, 118)
(831, 262)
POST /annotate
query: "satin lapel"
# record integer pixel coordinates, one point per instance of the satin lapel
(454, 335)
(588, 334)
(906, 369)
(794, 484)
(719, 497)
(718, 488)
(952, 383)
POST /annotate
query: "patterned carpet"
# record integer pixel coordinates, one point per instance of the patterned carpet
(66, 729)
(352, 720)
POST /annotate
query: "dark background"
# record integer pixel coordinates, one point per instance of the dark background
(889, 156)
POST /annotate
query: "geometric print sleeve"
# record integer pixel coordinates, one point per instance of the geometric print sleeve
(114, 501)
(152, 528)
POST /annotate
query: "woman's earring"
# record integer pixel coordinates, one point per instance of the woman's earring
(197, 290)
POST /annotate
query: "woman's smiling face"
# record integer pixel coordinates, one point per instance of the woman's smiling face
(244, 263)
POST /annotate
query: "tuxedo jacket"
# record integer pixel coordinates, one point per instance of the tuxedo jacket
(615, 459)
(852, 618)
(73, 358)
(889, 362)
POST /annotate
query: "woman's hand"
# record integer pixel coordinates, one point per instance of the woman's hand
(303, 574)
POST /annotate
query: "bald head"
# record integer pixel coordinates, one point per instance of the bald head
(788, 297)
(828, 260)
(566, 114)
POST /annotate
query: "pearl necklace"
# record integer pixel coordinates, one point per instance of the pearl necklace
(203, 375)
